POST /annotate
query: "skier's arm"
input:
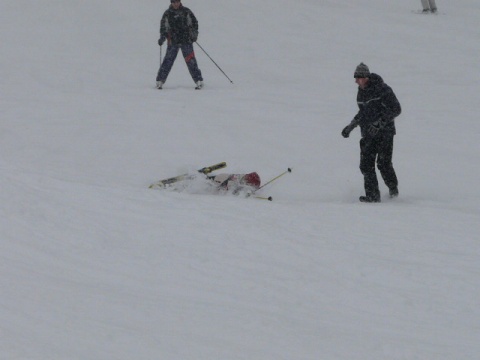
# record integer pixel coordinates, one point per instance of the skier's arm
(356, 120)
(349, 128)
(164, 27)
(193, 25)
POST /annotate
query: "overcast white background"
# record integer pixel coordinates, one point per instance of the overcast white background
(94, 265)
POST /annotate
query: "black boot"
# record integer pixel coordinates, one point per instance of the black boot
(369, 199)
(393, 192)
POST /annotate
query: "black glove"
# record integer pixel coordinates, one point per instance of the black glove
(347, 130)
(161, 41)
(376, 126)
(194, 36)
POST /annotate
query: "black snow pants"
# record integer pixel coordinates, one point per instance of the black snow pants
(378, 149)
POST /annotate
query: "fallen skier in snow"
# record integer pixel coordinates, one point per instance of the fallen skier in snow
(231, 183)
(235, 183)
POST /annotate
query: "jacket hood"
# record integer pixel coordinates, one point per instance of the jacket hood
(375, 79)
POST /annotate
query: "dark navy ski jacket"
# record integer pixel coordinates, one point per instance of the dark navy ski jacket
(179, 26)
(377, 102)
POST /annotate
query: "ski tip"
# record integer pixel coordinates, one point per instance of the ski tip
(157, 186)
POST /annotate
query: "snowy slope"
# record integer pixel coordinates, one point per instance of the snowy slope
(96, 266)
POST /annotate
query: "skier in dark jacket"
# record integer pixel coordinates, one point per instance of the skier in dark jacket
(378, 108)
(179, 27)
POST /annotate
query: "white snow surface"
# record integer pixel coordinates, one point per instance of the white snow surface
(94, 265)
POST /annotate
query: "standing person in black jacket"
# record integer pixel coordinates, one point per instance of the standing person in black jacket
(179, 27)
(378, 108)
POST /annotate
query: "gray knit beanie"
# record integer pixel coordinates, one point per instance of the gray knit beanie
(361, 71)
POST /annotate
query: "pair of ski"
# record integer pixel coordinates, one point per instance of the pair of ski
(198, 87)
(162, 184)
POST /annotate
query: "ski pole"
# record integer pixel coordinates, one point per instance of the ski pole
(269, 198)
(275, 178)
(213, 61)
(252, 194)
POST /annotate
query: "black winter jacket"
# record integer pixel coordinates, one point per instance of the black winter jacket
(377, 102)
(179, 26)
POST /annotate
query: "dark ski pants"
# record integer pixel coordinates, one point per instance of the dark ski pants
(380, 150)
(188, 55)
